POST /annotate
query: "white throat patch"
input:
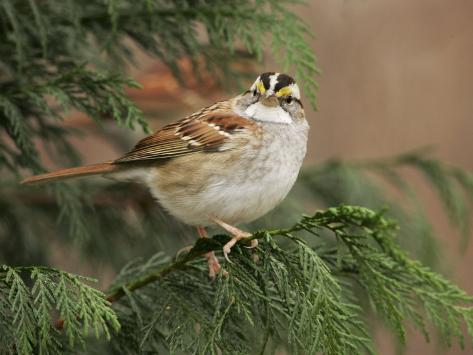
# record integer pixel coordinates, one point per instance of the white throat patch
(260, 112)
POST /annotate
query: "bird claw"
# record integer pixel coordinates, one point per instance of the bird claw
(227, 248)
(253, 244)
(237, 235)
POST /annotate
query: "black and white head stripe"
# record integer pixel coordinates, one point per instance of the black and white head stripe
(278, 84)
(283, 80)
(265, 78)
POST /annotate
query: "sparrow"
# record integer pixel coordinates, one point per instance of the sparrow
(229, 163)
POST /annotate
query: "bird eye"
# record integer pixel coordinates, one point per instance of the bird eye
(289, 100)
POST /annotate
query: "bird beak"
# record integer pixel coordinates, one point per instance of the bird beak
(270, 101)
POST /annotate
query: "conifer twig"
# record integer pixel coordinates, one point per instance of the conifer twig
(200, 247)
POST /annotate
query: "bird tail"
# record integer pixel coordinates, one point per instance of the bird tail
(69, 173)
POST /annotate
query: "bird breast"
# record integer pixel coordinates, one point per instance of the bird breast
(238, 185)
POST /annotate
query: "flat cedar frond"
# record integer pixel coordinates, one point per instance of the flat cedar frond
(31, 330)
(30, 110)
(21, 306)
(396, 284)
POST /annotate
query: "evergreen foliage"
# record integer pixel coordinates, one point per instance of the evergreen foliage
(308, 288)
(357, 182)
(27, 310)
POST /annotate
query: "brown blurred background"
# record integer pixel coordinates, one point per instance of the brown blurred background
(396, 75)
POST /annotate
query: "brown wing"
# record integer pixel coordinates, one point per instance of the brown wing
(209, 131)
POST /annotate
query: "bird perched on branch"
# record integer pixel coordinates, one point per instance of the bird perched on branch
(228, 163)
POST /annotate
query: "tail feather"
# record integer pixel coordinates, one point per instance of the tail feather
(64, 174)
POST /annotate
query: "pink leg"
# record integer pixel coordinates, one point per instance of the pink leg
(214, 265)
(202, 232)
(238, 234)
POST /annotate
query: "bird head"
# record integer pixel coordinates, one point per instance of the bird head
(273, 97)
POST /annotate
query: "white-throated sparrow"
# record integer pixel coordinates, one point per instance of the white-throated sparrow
(228, 163)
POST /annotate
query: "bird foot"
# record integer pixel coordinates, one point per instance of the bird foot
(235, 239)
(238, 235)
(214, 265)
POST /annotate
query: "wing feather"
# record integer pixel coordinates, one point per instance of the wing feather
(208, 131)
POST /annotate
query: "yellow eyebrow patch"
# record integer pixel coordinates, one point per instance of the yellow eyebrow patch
(261, 87)
(285, 91)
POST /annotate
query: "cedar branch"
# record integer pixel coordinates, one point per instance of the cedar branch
(200, 247)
